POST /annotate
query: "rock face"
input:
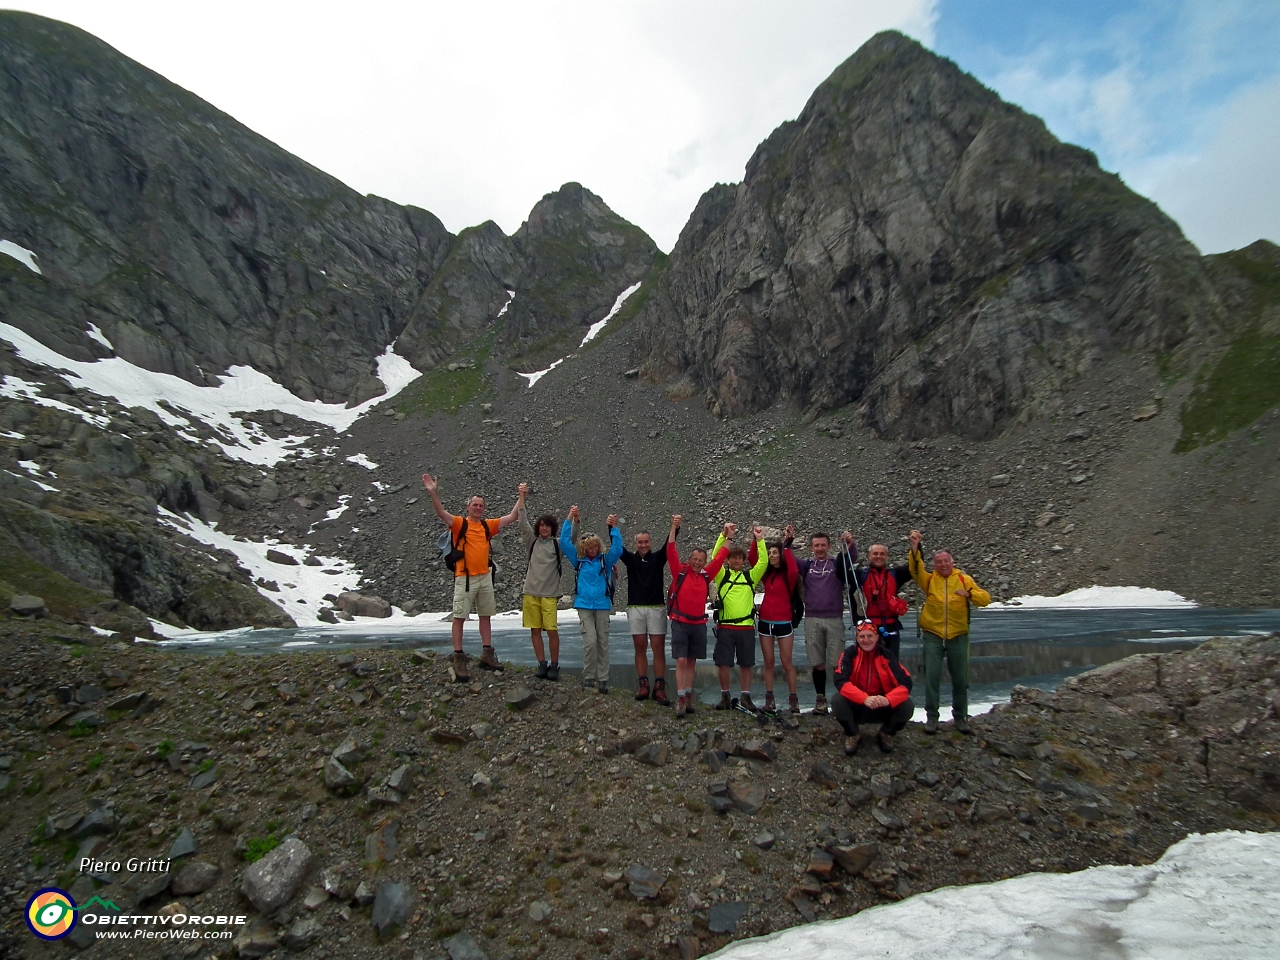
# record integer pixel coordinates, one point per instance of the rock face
(915, 246)
(271, 882)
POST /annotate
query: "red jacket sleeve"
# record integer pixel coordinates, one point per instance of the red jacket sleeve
(897, 695)
(717, 562)
(793, 571)
(673, 558)
(855, 694)
(752, 555)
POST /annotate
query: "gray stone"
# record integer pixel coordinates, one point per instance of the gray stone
(762, 750)
(194, 877)
(256, 938)
(349, 751)
(764, 841)
(362, 605)
(316, 898)
(886, 819)
(204, 779)
(392, 907)
(184, 844)
(643, 882)
(96, 822)
(302, 933)
(383, 796)
(520, 698)
(539, 911)
(721, 804)
(481, 783)
(714, 760)
(364, 894)
(128, 702)
(338, 777)
(655, 754)
(482, 731)
(25, 605)
(277, 556)
(271, 882)
(339, 881)
(90, 693)
(825, 775)
(724, 917)
(382, 846)
(401, 779)
(854, 859)
(464, 947)
(747, 797)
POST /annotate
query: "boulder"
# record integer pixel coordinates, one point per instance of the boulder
(271, 882)
(194, 877)
(278, 556)
(392, 907)
(363, 605)
(25, 605)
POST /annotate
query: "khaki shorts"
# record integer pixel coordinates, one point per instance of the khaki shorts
(651, 620)
(540, 612)
(823, 641)
(480, 596)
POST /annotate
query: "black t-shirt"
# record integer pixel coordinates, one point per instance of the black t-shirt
(645, 586)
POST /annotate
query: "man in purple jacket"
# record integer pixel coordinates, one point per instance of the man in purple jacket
(825, 579)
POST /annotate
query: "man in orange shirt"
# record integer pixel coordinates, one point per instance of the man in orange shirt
(472, 576)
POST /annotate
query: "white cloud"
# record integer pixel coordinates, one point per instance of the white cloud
(1227, 194)
(474, 111)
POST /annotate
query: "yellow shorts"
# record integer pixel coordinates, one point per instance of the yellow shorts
(540, 612)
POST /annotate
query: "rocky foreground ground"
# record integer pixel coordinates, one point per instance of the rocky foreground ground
(362, 805)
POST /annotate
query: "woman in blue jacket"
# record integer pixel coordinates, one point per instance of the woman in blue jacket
(593, 598)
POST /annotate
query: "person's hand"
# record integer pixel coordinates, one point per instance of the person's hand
(847, 538)
(676, 520)
(430, 483)
(876, 702)
(791, 531)
(758, 532)
(916, 539)
(613, 520)
(729, 530)
(523, 490)
(962, 592)
(573, 513)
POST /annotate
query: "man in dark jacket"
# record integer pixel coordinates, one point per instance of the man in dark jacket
(881, 584)
(872, 687)
(647, 614)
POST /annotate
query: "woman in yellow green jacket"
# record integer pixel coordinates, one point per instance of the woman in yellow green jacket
(734, 595)
(944, 622)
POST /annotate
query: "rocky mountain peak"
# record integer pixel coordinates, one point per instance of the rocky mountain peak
(914, 247)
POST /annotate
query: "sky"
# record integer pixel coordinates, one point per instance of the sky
(475, 110)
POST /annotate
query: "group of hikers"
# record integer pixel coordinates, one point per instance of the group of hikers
(870, 685)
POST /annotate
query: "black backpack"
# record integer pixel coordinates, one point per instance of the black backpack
(717, 605)
(556, 543)
(459, 551)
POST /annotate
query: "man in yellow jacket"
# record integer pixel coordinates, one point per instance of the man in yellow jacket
(944, 621)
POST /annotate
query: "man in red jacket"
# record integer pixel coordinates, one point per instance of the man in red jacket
(872, 687)
(687, 611)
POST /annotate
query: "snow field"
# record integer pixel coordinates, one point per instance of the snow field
(1210, 897)
(592, 331)
(1095, 597)
(20, 253)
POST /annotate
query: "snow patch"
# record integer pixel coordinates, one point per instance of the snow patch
(302, 588)
(361, 460)
(24, 256)
(1138, 598)
(43, 486)
(174, 400)
(19, 389)
(511, 295)
(94, 333)
(596, 327)
(1214, 897)
(592, 331)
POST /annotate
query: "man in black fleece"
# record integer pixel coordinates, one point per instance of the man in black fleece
(647, 614)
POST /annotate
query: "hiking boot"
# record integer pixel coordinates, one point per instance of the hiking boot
(682, 705)
(643, 692)
(931, 725)
(745, 702)
(489, 659)
(885, 742)
(588, 684)
(692, 706)
(794, 703)
(542, 671)
(459, 666)
(851, 745)
(660, 693)
(820, 706)
(770, 706)
(725, 703)
(962, 725)
(603, 687)
(553, 671)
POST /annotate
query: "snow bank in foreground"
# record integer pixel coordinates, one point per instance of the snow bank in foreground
(1141, 598)
(24, 256)
(1214, 897)
(592, 331)
(174, 400)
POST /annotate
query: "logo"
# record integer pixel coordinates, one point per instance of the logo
(51, 913)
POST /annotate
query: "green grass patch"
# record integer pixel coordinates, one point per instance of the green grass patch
(259, 847)
(1241, 386)
(164, 748)
(446, 391)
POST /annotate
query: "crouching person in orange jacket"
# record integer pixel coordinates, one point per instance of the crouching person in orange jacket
(871, 687)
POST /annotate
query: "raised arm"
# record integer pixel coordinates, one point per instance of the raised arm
(759, 562)
(568, 534)
(915, 563)
(510, 518)
(673, 552)
(432, 486)
(615, 546)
